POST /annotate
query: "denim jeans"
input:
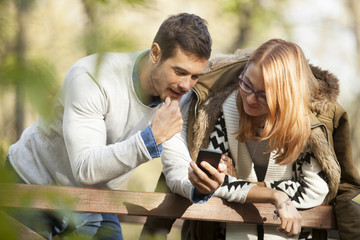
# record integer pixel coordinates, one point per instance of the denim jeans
(50, 223)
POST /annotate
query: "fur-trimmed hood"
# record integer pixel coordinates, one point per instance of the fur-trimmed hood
(211, 93)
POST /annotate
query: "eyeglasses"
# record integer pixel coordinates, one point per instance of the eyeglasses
(246, 88)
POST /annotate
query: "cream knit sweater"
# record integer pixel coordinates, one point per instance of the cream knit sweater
(93, 138)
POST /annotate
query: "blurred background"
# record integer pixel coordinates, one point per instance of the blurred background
(41, 39)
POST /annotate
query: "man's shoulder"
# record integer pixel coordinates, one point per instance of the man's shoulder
(103, 59)
(99, 65)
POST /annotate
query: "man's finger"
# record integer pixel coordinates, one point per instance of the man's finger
(167, 101)
(174, 105)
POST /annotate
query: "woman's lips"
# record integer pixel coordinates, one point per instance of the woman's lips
(252, 106)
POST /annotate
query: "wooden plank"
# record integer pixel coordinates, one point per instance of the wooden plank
(142, 219)
(153, 204)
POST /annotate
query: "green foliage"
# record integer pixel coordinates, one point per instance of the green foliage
(115, 1)
(100, 39)
(26, 200)
(255, 20)
(24, 4)
(37, 77)
(7, 231)
(7, 28)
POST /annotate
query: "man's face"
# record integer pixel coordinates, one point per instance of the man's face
(176, 75)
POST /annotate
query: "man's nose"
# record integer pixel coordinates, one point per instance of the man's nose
(185, 84)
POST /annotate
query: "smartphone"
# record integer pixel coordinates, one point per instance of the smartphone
(208, 155)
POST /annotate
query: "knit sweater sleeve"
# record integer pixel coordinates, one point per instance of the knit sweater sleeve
(308, 187)
(234, 190)
(93, 160)
(176, 158)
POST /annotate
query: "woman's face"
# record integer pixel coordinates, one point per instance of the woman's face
(254, 81)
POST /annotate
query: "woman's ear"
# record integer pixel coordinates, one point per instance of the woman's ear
(155, 53)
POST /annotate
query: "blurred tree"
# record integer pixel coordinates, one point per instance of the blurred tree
(353, 7)
(255, 20)
(97, 35)
(22, 7)
(18, 50)
(33, 79)
(27, 79)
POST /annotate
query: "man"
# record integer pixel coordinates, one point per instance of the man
(109, 117)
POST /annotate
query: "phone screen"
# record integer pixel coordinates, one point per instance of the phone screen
(208, 155)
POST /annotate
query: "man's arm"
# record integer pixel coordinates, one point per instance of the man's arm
(176, 162)
(85, 135)
(93, 160)
(176, 157)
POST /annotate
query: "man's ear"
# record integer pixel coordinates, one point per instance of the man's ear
(155, 53)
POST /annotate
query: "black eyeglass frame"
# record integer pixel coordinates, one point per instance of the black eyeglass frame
(258, 95)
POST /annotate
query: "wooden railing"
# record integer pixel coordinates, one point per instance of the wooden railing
(150, 204)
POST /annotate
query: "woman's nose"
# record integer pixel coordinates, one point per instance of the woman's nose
(252, 99)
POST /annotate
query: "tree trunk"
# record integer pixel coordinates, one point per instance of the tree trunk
(20, 53)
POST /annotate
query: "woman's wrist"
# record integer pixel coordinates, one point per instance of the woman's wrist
(281, 199)
(260, 184)
(281, 205)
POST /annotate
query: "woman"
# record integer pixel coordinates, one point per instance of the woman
(264, 128)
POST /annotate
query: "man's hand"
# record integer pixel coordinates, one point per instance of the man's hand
(202, 182)
(167, 121)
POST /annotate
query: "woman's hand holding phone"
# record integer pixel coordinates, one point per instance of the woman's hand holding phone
(207, 182)
(212, 157)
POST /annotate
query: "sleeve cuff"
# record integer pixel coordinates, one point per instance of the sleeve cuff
(199, 198)
(150, 143)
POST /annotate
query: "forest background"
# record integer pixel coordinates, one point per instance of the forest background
(41, 39)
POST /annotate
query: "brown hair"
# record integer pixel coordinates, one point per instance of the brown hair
(187, 31)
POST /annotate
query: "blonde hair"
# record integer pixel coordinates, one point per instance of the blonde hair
(286, 74)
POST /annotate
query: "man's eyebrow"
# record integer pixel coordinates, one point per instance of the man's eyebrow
(180, 69)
